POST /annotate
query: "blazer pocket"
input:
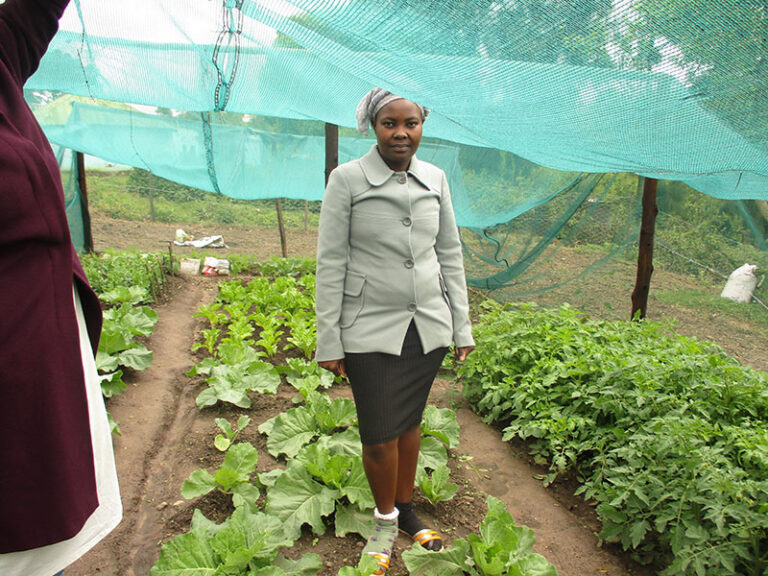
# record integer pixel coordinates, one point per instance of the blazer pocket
(354, 298)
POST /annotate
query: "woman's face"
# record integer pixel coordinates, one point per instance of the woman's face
(398, 133)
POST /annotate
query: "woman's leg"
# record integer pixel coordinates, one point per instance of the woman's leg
(408, 458)
(380, 464)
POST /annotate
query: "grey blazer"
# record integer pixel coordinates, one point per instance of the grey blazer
(388, 252)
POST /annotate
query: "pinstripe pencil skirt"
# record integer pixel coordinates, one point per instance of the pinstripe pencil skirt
(391, 391)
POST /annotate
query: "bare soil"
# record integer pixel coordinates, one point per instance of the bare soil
(165, 437)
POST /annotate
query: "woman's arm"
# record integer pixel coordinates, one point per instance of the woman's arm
(448, 248)
(26, 29)
(332, 248)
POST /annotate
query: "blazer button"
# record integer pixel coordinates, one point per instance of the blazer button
(412, 306)
(402, 179)
(408, 263)
(407, 221)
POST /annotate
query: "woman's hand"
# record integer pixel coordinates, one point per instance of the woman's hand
(335, 366)
(462, 352)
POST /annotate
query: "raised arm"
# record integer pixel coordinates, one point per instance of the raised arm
(26, 29)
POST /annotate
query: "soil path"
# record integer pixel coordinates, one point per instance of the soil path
(165, 437)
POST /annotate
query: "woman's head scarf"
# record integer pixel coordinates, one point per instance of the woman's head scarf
(374, 101)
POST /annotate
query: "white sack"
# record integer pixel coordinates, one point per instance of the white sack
(741, 284)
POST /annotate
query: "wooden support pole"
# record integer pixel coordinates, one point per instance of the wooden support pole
(331, 149)
(85, 213)
(281, 226)
(645, 248)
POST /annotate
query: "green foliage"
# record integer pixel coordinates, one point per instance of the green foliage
(232, 382)
(233, 476)
(666, 433)
(123, 323)
(115, 270)
(246, 543)
(223, 442)
(501, 549)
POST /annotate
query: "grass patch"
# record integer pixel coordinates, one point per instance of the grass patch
(752, 312)
(115, 195)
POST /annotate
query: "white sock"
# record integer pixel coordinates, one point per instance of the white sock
(391, 516)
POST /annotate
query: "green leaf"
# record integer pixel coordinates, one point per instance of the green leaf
(346, 442)
(350, 519)
(206, 398)
(307, 565)
(267, 571)
(432, 453)
(356, 488)
(137, 357)
(221, 443)
(247, 537)
(442, 424)
(200, 482)
(297, 499)
(437, 487)
(637, 532)
(268, 479)
(246, 494)
(105, 362)
(186, 555)
(141, 320)
(290, 431)
(451, 561)
(242, 458)
(112, 384)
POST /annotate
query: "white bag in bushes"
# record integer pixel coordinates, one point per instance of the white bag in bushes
(741, 284)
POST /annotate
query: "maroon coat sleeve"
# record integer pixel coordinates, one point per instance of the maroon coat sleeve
(21, 50)
(47, 479)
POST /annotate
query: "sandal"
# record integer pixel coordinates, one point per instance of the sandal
(412, 526)
(382, 561)
(381, 542)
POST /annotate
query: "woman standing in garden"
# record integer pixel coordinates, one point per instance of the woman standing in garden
(391, 298)
(58, 485)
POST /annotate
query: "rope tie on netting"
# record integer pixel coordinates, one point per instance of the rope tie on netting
(225, 59)
(208, 140)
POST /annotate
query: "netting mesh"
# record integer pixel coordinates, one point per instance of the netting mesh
(527, 98)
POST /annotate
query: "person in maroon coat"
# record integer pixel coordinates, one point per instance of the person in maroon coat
(58, 487)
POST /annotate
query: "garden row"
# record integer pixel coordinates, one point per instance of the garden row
(260, 336)
(666, 434)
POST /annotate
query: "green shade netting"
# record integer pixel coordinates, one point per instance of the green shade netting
(663, 88)
(530, 101)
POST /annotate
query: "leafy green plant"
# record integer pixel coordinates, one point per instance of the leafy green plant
(211, 313)
(123, 322)
(303, 333)
(210, 340)
(667, 433)
(246, 543)
(232, 382)
(270, 334)
(436, 487)
(233, 477)
(501, 549)
(224, 441)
